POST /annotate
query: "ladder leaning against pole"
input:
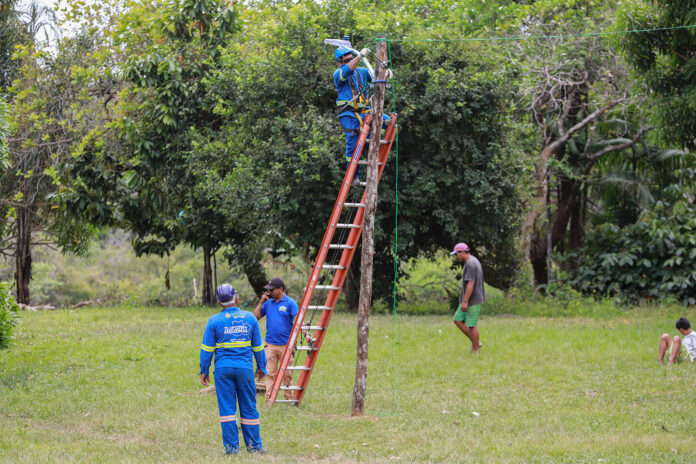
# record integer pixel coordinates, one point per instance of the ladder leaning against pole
(321, 272)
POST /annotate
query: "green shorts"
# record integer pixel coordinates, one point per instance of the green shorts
(470, 318)
(682, 356)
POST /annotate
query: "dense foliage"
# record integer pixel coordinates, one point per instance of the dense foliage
(653, 258)
(666, 60)
(212, 124)
(8, 315)
(456, 176)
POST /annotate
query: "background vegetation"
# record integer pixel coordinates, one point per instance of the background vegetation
(206, 130)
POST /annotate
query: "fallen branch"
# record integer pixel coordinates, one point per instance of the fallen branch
(36, 308)
(98, 301)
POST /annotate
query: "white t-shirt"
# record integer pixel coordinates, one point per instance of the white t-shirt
(690, 343)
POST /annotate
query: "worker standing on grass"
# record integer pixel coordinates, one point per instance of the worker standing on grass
(280, 311)
(471, 296)
(353, 100)
(234, 337)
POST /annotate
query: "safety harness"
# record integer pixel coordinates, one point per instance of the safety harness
(359, 103)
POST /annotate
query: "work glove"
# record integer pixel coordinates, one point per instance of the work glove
(364, 52)
(389, 74)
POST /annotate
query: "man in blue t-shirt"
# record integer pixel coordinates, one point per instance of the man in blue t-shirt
(280, 311)
(353, 97)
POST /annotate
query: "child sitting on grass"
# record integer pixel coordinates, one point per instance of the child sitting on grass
(681, 348)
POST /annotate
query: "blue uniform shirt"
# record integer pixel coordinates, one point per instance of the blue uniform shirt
(280, 317)
(350, 83)
(234, 337)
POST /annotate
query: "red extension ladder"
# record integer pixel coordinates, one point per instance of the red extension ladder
(310, 344)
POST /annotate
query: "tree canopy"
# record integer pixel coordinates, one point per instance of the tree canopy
(213, 124)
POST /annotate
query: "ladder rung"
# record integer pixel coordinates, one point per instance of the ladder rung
(384, 142)
(335, 246)
(287, 401)
(364, 163)
(312, 327)
(363, 184)
(293, 387)
(298, 368)
(326, 287)
(354, 205)
(348, 226)
(319, 308)
(333, 266)
(305, 348)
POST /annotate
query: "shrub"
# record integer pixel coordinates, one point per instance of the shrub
(653, 259)
(8, 315)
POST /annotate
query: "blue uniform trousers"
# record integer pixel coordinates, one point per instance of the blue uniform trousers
(351, 124)
(233, 384)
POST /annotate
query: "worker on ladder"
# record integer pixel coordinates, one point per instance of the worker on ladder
(353, 100)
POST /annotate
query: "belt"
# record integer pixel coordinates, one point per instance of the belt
(352, 109)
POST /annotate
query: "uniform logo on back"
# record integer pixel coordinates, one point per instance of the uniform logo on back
(227, 315)
(237, 329)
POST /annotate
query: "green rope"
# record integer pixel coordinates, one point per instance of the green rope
(396, 327)
(538, 37)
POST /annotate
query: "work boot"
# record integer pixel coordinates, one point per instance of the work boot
(261, 450)
(231, 450)
(356, 180)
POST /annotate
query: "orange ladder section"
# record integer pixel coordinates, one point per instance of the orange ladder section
(311, 344)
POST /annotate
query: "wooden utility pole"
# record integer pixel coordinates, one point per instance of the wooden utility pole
(368, 235)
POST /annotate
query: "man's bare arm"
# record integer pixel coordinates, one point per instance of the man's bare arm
(257, 310)
(467, 294)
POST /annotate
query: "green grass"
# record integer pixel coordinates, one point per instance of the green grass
(119, 385)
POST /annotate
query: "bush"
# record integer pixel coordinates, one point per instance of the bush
(8, 315)
(653, 259)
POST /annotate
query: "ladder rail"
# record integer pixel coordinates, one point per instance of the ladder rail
(340, 274)
(321, 257)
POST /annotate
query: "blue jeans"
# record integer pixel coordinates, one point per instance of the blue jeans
(231, 385)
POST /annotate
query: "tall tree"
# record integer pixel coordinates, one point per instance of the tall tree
(457, 172)
(578, 95)
(13, 32)
(4, 134)
(666, 60)
(48, 116)
(170, 53)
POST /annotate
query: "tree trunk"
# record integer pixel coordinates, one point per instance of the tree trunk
(208, 290)
(256, 276)
(368, 239)
(577, 222)
(350, 289)
(23, 255)
(538, 205)
(537, 257)
(549, 238)
(215, 282)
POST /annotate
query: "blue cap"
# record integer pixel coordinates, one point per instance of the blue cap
(225, 292)
(340, 51)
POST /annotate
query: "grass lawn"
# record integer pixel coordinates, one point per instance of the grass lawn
(120, 384)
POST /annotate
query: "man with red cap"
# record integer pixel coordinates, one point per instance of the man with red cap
(471, 296)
